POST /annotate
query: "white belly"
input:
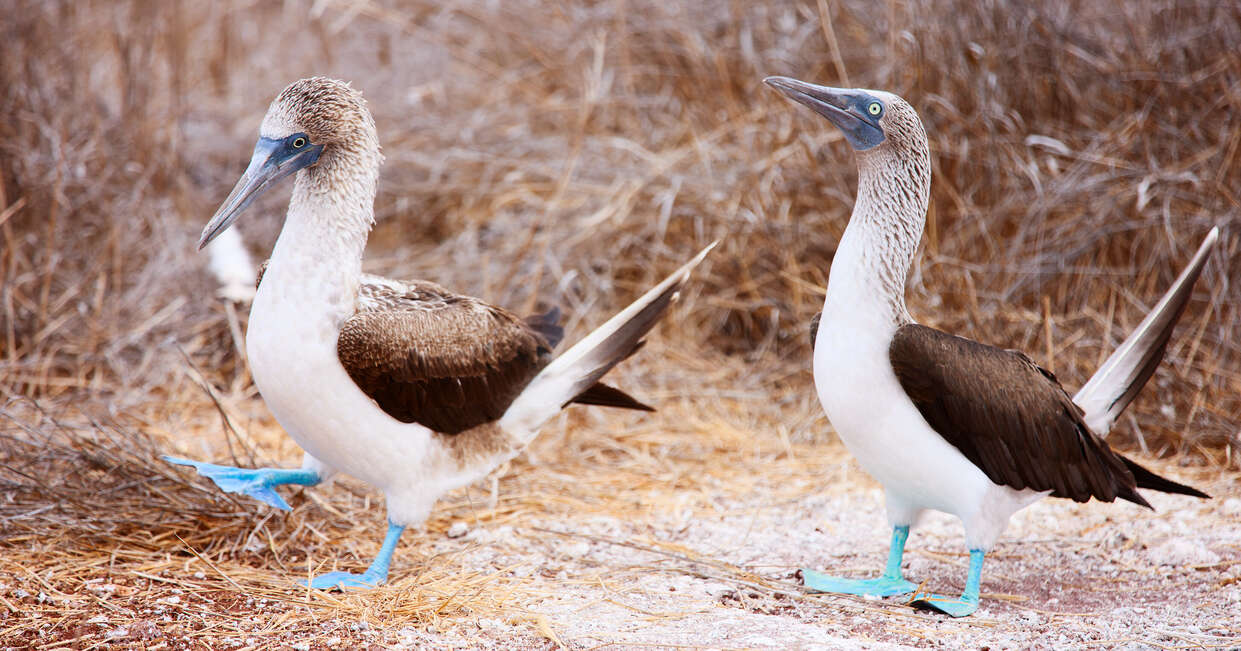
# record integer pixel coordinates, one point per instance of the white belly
(292, 353)
(885, 432)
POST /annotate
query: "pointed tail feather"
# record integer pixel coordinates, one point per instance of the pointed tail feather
(579, 368)
(602, 395)
(1120, 378)
(1148, 479)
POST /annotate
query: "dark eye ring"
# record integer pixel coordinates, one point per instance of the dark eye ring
(299, 142)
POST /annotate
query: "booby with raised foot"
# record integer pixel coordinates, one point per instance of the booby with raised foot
(942, 422)
(407, 386)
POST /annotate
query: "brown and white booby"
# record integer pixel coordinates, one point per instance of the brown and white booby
(943, 422)
(406, 385)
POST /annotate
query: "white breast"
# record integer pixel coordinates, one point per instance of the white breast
(291, 344)
(889, 437)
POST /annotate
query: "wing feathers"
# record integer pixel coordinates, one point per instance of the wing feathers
(429, 356)
(1011, 418)
(451, 362)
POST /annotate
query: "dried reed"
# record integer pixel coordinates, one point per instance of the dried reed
(567, 154)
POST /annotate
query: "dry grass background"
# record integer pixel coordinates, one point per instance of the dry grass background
(567, 154)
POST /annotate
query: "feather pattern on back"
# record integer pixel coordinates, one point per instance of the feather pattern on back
(1012, 419)
(440, 359)
(447, 361)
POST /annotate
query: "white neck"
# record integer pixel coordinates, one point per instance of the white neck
(318, 257)
(868, 271)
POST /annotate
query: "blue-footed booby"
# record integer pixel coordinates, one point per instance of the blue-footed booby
(407, 386)
(943, 422)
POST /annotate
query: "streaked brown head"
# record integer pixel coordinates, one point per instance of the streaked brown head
(317, 124)
(868, 119)
(893, 156)
(327, 111)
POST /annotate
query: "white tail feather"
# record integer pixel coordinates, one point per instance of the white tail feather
(1122, 375)
(587, 361)
(232, 266)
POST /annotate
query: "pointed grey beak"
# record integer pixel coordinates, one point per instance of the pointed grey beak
(272, 161)
(844, 107)
(824, 100)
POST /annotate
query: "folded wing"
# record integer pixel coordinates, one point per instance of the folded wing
(429, 356)
(1012, 419)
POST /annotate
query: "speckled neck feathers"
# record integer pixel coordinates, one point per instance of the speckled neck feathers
(332, 208)
(894, 184)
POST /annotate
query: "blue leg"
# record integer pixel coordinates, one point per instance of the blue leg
(890, 583)
(256, 483)
(374, 575)
(968, 601)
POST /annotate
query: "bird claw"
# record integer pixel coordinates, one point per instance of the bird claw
(256, 483)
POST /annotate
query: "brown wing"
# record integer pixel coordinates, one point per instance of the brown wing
(426, 355)
(1008, 416)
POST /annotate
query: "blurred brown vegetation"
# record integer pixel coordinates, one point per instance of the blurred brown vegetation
(574, 153)
(569, 154)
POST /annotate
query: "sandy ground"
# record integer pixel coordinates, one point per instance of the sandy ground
(595, 539)
(1066, 575)
(721, 571)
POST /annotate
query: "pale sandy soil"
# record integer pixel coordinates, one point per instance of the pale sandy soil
(613, 531)
(1066, 575)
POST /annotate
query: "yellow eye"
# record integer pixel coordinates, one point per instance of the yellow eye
(874, 108)
(299, 142)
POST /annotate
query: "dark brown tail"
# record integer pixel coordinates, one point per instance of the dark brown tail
(1148, 479)
(603, 395)
(599, 394)
(548, 325)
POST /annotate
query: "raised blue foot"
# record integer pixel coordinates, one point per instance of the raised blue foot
(889, 584)
(374, 575)
(961, 606)
(255, 482)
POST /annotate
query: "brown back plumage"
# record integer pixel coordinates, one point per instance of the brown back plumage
(430, 356)
(446, 361)
(1012, 419)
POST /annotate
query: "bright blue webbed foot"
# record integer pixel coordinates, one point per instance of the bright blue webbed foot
(255, 482)
(888, 584)
(374, 575)
(884, 586)
(346, 581)
(961, 606)
(954, 606)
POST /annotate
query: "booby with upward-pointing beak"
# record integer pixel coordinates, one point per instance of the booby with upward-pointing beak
(406, 385)
(946, 423)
